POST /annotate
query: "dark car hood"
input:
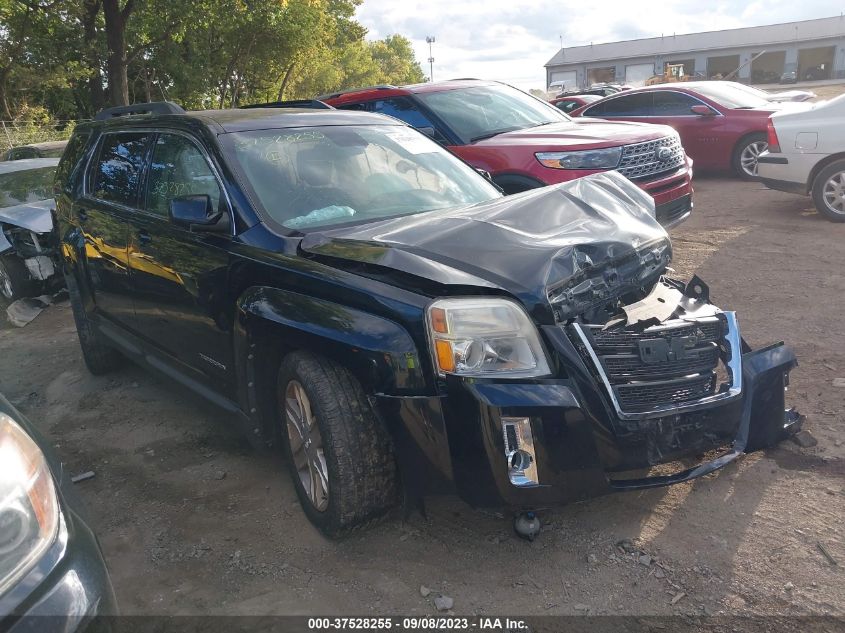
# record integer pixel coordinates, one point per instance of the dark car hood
(580, 132)
(529, 245)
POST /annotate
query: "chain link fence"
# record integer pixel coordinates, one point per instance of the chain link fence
(17, 133)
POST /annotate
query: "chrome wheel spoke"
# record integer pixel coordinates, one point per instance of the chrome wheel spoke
(5, 283)
(319, 482)
(748, 158)
(833, 193)
(296, 432)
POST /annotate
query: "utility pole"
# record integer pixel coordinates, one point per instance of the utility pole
(430, 40)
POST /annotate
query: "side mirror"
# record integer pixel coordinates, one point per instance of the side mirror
(702, 110)
(197, 214)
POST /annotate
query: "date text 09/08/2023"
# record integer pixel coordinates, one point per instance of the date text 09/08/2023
(446, 623)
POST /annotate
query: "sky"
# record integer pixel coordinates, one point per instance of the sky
(511, 40)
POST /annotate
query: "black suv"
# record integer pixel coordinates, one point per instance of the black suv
(349, 289)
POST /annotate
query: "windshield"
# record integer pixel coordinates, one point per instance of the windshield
(483, 111)
(322, 176)
(30, 185)
(732, 96)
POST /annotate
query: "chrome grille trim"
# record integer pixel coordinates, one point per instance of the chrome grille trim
(639, 160)
(734, 365)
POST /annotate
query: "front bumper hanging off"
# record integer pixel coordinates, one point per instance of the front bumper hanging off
(578, 444)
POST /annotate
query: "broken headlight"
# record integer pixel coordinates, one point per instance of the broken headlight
(29, 507)
(485, 337)
(585, 159)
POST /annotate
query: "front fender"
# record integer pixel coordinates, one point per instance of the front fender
(380, 352)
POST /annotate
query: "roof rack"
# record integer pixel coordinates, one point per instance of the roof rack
(155, 107)
(335, 95)
(294, 103)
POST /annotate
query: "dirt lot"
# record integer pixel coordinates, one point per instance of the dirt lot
(193, 521)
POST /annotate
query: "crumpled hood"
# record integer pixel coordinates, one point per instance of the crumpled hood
(34, 216)
(581, 131)
(529, 245)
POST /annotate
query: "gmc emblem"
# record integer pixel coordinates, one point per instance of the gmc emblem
(661, 350)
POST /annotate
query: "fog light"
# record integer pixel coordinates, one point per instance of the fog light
(519, 451)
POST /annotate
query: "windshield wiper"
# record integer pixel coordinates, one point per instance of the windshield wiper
(481, 137)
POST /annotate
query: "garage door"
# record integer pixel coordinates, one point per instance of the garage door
(636, 74)
(563, 80)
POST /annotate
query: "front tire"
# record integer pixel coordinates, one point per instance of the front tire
(829, 191)
(338, 451)
(746, 154)
(100, 358)
(14, 279)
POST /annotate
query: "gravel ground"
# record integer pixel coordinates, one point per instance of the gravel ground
(193, 521)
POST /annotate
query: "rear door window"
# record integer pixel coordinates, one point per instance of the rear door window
(668, 103)
(632, 105)
(117, 172)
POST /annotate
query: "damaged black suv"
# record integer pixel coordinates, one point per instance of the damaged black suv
(348, 289)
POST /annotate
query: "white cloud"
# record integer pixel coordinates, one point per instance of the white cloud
(510, 40)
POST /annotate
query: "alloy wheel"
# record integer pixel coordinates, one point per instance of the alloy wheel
(306, 445)
(6, 288)
(749, 156)
(833, 193)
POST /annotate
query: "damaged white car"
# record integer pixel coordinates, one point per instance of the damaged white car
(26, 245)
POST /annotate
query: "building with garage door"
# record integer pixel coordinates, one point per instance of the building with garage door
(814, 49)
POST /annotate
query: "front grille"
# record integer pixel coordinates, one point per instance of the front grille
(630, 366)
(627, 340)
(671, 364)
(643, 396)
(640, 160)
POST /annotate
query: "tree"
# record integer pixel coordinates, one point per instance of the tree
(116, 18)
(395, 59)
(74, 56)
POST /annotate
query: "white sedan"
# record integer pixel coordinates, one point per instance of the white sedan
(806, 155)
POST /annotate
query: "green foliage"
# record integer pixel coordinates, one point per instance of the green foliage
(200, 53)
(33, 124)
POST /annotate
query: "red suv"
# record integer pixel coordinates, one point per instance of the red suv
(524, 142)
(722, 123)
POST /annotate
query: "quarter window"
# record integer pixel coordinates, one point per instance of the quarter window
(72, 155)
(178, 168)
(118, 169)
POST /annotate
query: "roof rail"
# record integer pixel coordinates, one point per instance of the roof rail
(335, 95)
(294, 103)
(155, 107)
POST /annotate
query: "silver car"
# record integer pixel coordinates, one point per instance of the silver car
(26, 198)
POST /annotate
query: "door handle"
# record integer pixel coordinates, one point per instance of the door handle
(144, 238)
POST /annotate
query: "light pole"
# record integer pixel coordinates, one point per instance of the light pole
(430, 40)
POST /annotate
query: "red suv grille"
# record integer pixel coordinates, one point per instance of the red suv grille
(644, 160)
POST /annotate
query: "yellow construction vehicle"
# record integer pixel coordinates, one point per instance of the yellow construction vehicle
(671, 74)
